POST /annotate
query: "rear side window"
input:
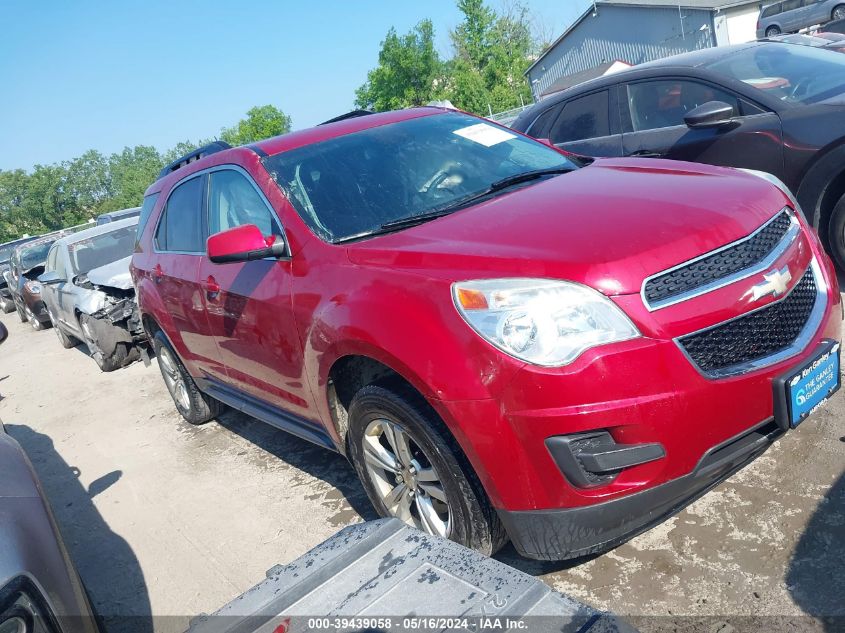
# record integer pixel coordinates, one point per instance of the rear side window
(791, 5)
(144, 217)
(539, 128)
(771, 10)
(582, 118)
(180, 226)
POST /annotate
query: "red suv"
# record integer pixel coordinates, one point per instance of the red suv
(505, 342)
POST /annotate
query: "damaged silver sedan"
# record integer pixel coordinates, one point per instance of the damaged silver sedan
(89, 294)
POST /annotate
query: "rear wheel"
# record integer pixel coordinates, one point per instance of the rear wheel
(838, 12)
(836, 233)
(195, 406)
(772, 31)
(412, 469)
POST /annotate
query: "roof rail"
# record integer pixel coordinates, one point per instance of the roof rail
(190, 157)
(348, 115)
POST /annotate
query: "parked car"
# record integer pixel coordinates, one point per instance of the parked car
(39, 587)
(792, 15)
(89, 296)
(767, 106)
(26, 263)
(829, 41)
(505, 343)
(7, 303)
(114, 216)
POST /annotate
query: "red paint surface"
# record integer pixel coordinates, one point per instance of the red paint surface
(275, 328)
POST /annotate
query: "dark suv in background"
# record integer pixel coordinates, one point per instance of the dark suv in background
(773, 107)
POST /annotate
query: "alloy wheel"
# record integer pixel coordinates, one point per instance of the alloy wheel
(405, 478)
(839, 13)
(173, 379)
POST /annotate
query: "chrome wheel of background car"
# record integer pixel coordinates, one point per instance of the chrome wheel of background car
(404, 476)
(173, 379)
(839, 13)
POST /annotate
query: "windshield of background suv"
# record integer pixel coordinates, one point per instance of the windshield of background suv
(36, 255)
(792, 73)
(354, 184)
(93, 252)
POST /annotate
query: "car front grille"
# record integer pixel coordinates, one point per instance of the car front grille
(753, 336)
(662, 288)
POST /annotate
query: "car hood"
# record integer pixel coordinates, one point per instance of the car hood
(113, 275)
(609, 225)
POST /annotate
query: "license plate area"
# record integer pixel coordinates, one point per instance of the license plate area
(802, 390)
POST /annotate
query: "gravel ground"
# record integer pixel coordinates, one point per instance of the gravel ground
(167, 519)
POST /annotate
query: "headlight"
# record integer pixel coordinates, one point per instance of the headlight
(541, 321)
(33, 286)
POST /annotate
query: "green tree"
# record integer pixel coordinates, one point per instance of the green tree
(87, 184)
(132, 171)
(492, 53)
(409, 71)
(261, 122)
(13, 190)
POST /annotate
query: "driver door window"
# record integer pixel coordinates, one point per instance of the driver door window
(660, 104)
(234, 201)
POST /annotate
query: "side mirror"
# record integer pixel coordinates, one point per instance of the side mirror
(710, 114)
(4, 333)
(51, 277)
(242, 244)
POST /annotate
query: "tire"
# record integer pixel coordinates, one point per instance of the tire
(122, 355)
(466, 517)
(195, 406)
(64, 340)
(772, 31)
(836, 234)
(838, 12)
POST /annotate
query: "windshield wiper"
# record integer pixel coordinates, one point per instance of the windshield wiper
(499, 185)
(527, 176)
(455, 205)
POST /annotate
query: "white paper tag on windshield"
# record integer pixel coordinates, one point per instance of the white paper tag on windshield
(485, 134)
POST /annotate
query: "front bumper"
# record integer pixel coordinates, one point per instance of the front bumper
(36, 309)
(575, 532)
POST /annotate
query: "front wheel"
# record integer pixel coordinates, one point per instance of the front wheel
(838, 12)
(836, 233)
(772, 31)
(195, 406)
(64, 340)
(123, 354)
(412, 469)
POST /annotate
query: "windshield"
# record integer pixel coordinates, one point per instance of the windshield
(354, 184)
(36, 255)
(93, 252)
(796, 74)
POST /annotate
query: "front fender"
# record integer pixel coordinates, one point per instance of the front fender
(90, 301)
(815, 183)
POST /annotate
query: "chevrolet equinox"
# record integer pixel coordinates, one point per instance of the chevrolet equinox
(505, 341)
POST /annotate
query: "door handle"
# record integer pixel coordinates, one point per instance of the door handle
(645, 153)
(211, 287)
(157, 274)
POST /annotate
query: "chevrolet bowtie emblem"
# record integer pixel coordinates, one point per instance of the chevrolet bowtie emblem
(776, 284)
